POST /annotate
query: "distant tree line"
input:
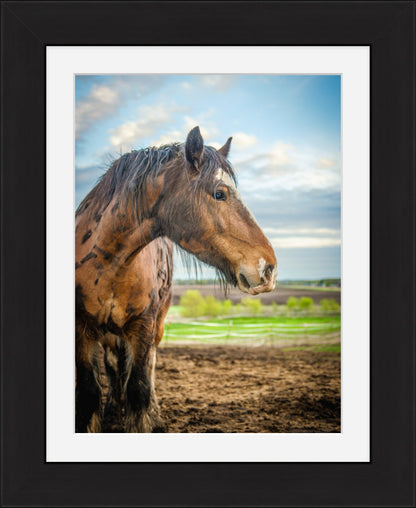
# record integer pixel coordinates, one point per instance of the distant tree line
(312, 283)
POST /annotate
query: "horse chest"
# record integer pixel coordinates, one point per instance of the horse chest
(118, 301)
(115, 312)
(106, 309)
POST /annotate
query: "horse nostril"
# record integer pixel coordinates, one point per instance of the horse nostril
(244, 281)
(268, 271)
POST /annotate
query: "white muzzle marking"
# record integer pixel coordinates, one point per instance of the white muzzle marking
(262, 264)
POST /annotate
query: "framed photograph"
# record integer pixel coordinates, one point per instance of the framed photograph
(345, 151)
(288, 165)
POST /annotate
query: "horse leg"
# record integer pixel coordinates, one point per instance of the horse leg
(113, 408)
(88, 388)
(140, 345)
(158, 424)
(141, 409)
(154, 409)
(136, 389)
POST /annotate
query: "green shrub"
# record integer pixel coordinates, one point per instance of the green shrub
(329, 305)
(292, 303)
(237, 309)
(213, 307)
(306, 303)
(335, 306)
(324, 305)
(226, 307)
(251, 305)
(192, 303)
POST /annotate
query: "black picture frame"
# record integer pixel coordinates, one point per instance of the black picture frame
(388, 28)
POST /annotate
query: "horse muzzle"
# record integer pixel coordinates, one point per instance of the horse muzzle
(260, 280)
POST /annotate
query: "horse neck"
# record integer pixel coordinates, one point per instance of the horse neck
(112, 238)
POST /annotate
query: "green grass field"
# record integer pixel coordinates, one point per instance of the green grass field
(253, 330)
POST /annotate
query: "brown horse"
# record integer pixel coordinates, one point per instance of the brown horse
(124, 232)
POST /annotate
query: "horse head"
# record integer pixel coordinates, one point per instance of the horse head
(201, 210)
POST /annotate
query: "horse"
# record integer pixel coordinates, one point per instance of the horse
(147, 201)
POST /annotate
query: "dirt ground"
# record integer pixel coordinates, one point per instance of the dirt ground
(248, 389)
(279, 295)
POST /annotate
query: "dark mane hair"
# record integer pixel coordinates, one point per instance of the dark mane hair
(127, 177)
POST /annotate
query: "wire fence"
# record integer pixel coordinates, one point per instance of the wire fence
(232, 333)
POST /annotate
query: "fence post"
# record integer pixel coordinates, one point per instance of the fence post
(230, 324)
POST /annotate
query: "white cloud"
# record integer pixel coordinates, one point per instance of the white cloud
(219, 82)
(302, 231)
(302, 238)
(241, 140)
(304, 242)
(150, 119)
(99, 103)
(317, 179)
(208, 131)
(279, 154)
(168, 138)
(186, 85)
(326, 162)
(105, 100)
(286, 167)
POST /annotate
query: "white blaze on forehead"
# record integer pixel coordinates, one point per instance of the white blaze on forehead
(225, 177)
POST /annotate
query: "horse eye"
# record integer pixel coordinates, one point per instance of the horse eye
(219, 195)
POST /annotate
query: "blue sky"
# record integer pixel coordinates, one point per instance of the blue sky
(286, 148)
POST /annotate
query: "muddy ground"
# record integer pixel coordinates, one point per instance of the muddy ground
(279, 295)
(248, 389)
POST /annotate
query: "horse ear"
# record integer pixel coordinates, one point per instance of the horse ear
(224, 150)
(194, 148)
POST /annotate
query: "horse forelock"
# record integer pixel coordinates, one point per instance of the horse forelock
(207, 176)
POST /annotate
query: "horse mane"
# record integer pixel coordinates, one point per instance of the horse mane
(128, 176)
(194, 267)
